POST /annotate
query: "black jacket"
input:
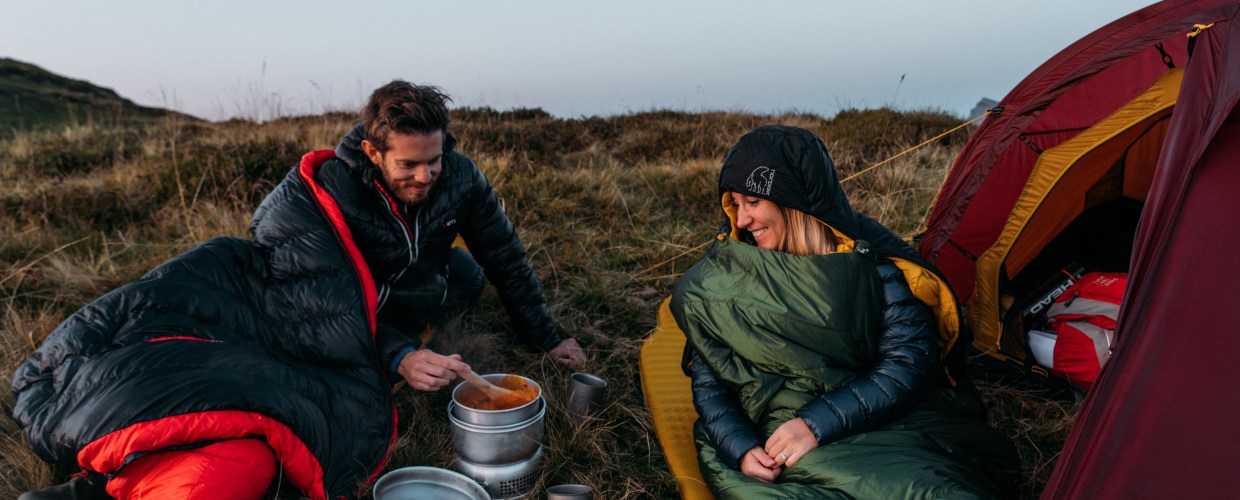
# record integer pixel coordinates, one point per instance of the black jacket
(407, 246)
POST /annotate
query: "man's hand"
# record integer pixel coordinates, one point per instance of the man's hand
(757, 464)
(791, 441)
(425, 370)
(569, 353)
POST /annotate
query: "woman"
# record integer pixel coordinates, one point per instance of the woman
(816, 369)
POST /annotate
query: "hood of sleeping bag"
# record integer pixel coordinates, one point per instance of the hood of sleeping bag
(790, 166)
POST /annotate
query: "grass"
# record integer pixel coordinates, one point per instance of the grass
(611, 211)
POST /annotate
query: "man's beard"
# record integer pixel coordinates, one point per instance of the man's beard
(403, 192)
(412, 197)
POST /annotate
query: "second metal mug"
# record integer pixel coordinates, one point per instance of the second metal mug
(585, 394)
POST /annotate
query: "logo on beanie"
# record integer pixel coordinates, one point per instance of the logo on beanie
(760, 181)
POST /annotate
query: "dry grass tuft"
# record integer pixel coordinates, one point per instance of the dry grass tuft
(612, 210)
(1037, 425)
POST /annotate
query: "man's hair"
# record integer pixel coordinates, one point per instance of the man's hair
(404, 108)
(804, 234)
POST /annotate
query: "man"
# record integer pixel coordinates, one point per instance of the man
(243, 358)
(406, 194)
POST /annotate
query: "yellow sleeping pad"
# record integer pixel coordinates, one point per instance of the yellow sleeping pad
(670, 400)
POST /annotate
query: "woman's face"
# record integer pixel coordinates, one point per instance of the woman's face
(761, 218)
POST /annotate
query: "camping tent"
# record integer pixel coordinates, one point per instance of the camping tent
(1122, 152)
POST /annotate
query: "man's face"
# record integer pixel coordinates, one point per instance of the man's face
(411, 165)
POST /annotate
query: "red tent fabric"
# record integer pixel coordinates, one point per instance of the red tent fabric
(1065, 95)
(1161, 420)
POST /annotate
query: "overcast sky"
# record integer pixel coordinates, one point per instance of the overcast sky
(226, 58)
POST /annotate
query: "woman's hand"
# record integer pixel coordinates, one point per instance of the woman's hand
(790, 442)
(757, 464)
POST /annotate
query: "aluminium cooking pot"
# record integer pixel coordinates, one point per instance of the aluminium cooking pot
(509, 416)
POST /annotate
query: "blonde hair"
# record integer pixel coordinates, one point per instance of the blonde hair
(805, 235)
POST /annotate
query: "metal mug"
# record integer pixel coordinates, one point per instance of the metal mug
(585, 395)
(569, 492)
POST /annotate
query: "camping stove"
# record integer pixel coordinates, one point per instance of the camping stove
(515, 480)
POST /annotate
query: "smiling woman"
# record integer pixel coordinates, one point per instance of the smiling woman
(762, 218)
(779, 228)
(816, 370)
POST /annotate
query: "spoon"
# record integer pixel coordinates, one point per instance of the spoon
(495, 392)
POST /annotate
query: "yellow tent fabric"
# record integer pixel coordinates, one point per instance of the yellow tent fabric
(1064, 181)
(670, 400)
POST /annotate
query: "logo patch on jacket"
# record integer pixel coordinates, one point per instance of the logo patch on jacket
(760, 180)
(448, 224)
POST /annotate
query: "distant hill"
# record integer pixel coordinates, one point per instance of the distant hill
(33, 98)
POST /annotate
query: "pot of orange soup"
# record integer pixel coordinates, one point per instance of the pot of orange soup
(472, 406)
(497, 431)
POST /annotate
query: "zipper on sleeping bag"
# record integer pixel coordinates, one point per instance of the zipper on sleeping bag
(182, 337)
(393, 210)
(410, 245)
(413, 245)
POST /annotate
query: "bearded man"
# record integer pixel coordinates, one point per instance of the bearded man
(406, 193)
